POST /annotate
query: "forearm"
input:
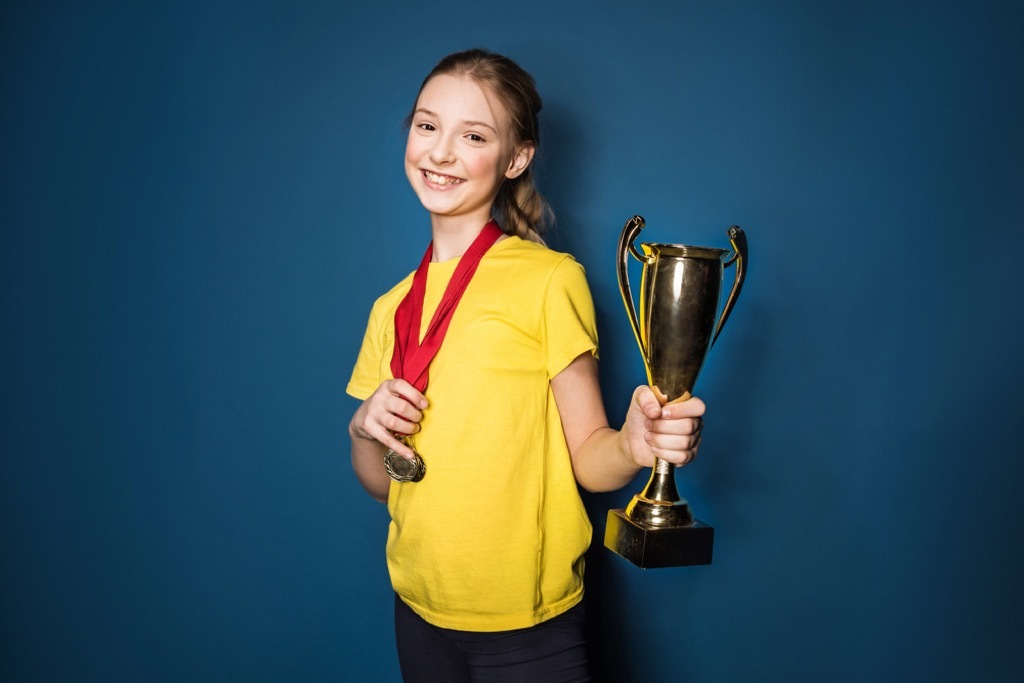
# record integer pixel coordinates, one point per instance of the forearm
(368, 464)
(601, 463)
(600, 457)
(606, 459)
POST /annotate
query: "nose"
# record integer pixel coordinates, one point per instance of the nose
(443, 151)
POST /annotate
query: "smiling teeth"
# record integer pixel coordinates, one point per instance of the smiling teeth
(441, 179)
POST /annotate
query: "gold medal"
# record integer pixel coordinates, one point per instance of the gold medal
(402, 469)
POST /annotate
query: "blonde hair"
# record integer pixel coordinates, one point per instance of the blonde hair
(519, 208)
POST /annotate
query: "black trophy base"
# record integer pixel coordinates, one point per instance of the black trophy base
(650, 548)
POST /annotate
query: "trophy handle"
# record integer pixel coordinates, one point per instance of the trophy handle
(630, 231)
(739, 245)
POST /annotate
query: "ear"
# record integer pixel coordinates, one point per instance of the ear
(520, 160)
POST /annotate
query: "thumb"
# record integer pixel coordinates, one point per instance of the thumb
(647, 402)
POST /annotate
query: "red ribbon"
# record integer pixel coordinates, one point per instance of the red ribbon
(411, 358)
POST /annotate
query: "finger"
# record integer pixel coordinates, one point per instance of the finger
(400, 387)
(397, 445)
(678, 458)
(684, 426)
(678, 449)
(691, 407)
(673, 443)
(400, 409)
(399, 426)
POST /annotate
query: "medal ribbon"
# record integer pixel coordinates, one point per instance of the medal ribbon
(411, 358)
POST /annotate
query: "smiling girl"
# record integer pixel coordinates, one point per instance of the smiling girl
(480, 472)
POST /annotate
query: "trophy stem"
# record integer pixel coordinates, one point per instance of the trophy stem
(659, 504)
(661, 487)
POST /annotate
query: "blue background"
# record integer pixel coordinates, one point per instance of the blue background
(199, 202)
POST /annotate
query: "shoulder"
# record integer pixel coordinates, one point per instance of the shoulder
(542, 280)
(385, 304)
(531, 258)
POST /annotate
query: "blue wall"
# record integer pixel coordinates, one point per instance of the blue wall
(199, 202)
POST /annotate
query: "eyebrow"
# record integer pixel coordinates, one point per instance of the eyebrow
(483, 124)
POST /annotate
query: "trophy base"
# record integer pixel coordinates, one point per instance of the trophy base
(649, 548)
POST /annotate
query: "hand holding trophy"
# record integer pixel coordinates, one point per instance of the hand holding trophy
(680, 289)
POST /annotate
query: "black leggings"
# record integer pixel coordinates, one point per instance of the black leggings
(553, 651)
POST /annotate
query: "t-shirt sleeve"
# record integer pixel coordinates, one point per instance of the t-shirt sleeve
(570, 328)
(370, 369)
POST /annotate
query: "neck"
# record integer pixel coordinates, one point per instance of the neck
(452, 238)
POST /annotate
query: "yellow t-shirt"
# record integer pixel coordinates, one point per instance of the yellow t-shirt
(493, 537)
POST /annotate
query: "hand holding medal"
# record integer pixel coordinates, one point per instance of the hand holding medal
(411, 357)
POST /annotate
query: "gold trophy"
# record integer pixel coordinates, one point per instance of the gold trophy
(680, 289)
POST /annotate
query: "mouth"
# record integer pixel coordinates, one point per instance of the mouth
(441, 180)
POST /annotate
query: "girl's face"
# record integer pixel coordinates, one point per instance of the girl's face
(460, 149)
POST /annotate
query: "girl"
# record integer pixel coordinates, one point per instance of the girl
(486, 552)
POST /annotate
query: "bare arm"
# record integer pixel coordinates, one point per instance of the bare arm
(396, 406)
(606, 459)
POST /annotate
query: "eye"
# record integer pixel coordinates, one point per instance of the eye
(474, 137)
(423, 125)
